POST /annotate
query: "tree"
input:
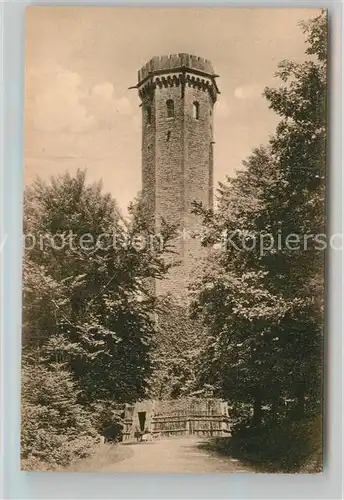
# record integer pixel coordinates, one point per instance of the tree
(42, 311)
(242, 313)
(92, 266)
(55, 429)
(299, 148)
(176, 350)
(263, 306)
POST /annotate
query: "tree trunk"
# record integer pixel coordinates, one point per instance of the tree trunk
(274, 409)
(257, 410)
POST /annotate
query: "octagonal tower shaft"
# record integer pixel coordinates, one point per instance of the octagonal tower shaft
(178, 93)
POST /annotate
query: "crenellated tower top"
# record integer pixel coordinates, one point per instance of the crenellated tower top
(176, 69)
(175, 61)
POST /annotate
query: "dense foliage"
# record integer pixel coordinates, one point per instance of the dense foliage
(176, 350)
(55, 428)
(86, 298)
(261, 293)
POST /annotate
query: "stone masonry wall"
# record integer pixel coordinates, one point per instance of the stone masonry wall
(198, 171)
(177, 159)
(148, 154)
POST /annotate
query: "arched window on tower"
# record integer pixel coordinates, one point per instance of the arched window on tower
(170, 108)
(195, 110)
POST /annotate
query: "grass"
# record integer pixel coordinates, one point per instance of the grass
(104, 455)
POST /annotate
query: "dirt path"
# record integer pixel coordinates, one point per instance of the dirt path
(174, 456)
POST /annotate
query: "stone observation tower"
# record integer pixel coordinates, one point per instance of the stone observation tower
(178, 93)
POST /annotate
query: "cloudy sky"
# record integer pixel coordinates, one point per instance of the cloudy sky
(80, 62)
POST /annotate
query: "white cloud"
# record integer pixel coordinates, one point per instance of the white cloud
(103, 90)
(248, 91)
(58, 100)
(222, 109)
(104, 105)
(137, 123)
(123, 106)
(104, 93)
(54, 101)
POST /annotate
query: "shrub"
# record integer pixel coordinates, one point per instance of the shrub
(107, 419)
(55, 428)
(287, 446)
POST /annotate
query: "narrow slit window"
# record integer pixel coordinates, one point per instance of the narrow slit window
(195, 110)
(149, 114)
(170, 108)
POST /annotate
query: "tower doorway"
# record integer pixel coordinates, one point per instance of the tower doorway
(142, 420)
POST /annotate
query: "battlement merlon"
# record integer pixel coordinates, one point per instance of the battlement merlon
(176, 63)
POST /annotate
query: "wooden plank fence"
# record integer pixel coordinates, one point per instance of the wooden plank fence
(206, 418)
